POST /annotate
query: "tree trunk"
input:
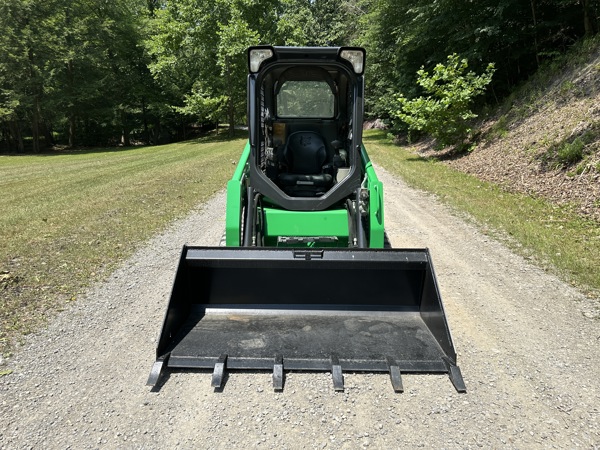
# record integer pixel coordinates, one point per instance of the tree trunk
(125, 138)
(4, 137)
(535, 42)
(71, 113)
(70, 88)
(35, 110)
(231, 104)
(47, 132)
(17, 137)
(588, 18)
(35, 125)
(231, 116)
(72, 127)
(145, 120)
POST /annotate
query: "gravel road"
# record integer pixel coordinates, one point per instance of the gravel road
(528, 347)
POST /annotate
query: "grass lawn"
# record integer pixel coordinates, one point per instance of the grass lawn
(68, 217)
(552, 235)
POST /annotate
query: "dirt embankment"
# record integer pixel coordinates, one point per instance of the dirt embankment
(548, 146)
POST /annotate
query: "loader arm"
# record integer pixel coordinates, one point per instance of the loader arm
(236, 195)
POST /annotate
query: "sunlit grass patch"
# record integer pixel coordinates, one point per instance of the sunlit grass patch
(68, 218)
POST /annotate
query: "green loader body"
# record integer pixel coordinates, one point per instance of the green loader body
(284, 228)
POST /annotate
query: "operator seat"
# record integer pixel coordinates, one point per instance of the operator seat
(307, 160)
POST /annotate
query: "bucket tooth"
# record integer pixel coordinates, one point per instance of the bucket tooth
(217, 376)
(278, 373)
(395, 376)
(455, 376)
(157, 370)
(336, 373)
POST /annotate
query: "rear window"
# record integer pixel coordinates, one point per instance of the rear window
(306, 99)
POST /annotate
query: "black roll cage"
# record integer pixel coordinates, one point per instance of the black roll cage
(283, 58)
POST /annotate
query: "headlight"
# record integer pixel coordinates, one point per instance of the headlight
(257, 56)
(356, 57)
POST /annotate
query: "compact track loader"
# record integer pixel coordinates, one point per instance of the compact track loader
(306, 280)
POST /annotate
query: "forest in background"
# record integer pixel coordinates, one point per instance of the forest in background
(79, 73)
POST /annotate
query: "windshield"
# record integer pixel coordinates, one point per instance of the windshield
(306, 99)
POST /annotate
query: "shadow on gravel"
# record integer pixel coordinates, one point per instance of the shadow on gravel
(161, 382)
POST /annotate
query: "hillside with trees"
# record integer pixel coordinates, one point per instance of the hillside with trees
(83, 73)
(545, 138)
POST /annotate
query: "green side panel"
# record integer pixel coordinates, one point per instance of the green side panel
(279, 222)
(302, 223)
(236, 192)
(375, 187)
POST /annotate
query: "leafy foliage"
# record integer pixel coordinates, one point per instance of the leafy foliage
(82, 72)
(445, 113)
(72, 67)
(517, 36)
(570, 153)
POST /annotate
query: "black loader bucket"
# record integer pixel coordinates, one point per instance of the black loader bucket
(314, 310)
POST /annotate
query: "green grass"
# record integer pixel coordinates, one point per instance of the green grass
(570, 152)
(68, 218)
(554, 236)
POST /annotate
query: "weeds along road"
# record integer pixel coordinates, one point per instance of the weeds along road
(528, 347)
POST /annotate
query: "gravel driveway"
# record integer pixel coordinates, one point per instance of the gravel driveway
(528, 347)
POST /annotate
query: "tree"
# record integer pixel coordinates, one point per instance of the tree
(590, 21)
(234, 38)
(25, 43)
(199, 48)
(199, 53)
(100, 70)
(403, 35)
(93, 73)
(445, 113)
(70, 65)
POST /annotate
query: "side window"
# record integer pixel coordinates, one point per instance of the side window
(306, 99)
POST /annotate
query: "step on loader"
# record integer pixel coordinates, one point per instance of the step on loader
(307, 280)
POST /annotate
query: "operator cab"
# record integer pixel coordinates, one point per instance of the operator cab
(305, 118)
